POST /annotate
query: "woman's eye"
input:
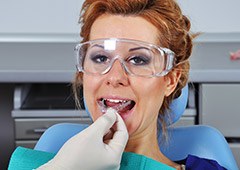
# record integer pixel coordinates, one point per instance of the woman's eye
(99, 58)
(139, 60)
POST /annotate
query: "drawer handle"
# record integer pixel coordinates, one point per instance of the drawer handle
(42, 130)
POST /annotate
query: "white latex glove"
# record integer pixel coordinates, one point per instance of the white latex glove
(90, 150)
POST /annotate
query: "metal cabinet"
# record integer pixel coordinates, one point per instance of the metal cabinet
(219, 106)
(39, 106)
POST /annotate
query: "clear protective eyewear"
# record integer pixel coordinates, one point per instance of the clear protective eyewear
(137, 58)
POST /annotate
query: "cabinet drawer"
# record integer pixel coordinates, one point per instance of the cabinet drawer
(185, 121)
(33, 128)
(26, 143)
(219, 107)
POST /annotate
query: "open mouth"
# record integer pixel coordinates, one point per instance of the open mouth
(121, 106)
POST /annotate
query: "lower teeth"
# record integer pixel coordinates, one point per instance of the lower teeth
(118, 108)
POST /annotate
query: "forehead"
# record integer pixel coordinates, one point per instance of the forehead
(120, 46)
(129, 27)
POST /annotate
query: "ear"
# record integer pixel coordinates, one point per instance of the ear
(171, 79)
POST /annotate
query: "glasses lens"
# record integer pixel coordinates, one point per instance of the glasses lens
(97, 57)
(145, 61)
(141, 59)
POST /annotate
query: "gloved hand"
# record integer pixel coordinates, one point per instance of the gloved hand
(90, 150)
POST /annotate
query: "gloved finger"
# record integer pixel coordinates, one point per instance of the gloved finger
(109, 134)
(120, 136)
(105, 122)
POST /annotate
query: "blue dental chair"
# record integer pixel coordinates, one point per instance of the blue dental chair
(199, 140)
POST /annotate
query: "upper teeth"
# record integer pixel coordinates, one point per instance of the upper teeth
(116, 100)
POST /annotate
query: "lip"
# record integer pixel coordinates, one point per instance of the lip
(124, 115)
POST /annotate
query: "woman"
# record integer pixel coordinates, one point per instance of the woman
(148, 87)
(133, 58)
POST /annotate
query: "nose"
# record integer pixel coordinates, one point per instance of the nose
(117, 75)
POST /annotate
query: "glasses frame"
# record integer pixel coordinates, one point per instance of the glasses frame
(170, 62)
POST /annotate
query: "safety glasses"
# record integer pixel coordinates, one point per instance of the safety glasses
(136, 57)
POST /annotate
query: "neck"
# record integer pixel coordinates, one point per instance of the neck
(146, 144)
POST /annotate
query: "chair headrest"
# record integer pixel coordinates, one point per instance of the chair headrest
(177, 107)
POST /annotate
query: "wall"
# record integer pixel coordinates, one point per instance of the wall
(212, 16)
(39, 16)
(61, 16)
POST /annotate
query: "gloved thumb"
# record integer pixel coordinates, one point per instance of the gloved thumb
(105, 122)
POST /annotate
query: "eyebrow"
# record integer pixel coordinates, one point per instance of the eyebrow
(138, 48)
(97, 45)
(131, 49)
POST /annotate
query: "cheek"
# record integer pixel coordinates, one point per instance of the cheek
(155, 98)
(90, 86)
(150, 94)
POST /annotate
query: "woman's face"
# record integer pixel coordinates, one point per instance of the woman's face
(116, 86)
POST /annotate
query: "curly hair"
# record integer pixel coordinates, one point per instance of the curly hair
(165, 15)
